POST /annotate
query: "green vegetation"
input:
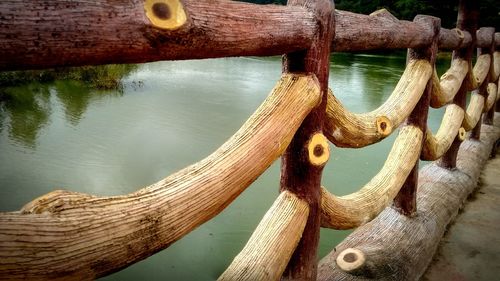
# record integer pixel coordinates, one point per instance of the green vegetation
(25, 96)
(408, 9)
(105, 77)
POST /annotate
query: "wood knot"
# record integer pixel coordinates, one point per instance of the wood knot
(350, 260)
(319, 151)
(384, 126)
(461, 134)
(165, 14)
(350, 257)
(459, 33)
(162, 11)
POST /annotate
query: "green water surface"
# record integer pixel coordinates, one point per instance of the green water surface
(63, 135)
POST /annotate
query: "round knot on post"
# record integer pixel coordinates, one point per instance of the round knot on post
(459, 33)
(165, 14)
(384, 126)
(350, 260)
(319, 151)
(461, 134)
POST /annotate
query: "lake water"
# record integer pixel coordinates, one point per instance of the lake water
(167, 116)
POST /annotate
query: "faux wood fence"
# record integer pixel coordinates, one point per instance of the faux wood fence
(69, 235)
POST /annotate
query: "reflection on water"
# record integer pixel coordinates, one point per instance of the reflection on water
(26, 110)
(75, 98)
(167, 116)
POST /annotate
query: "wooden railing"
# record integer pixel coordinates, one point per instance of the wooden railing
(69, 235)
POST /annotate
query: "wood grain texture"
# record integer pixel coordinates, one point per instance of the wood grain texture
(485, 37)
(347, 129)
(474, 111)
(43, 34)
(445, 89)
(358, 208)
(357, 32)
(436, 145)
(482, 68)
(486, 33)
(467, 19)
(298, 174)
(267, 252)
(66, 235)
(405, 201)
(451, 39)
(381, 30)
(496, 66)
(492, 96)
(498, 91)
(400, 248)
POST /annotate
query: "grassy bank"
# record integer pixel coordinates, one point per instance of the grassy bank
(98, 77)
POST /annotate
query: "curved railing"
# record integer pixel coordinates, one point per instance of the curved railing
(68, 235)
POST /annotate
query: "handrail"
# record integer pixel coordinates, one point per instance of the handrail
(347, 129)
(358, 208)
(221, 24)
(103, 32)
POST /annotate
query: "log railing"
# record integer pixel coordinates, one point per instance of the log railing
(69, 235)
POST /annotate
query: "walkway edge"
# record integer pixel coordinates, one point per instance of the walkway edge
(400, 248)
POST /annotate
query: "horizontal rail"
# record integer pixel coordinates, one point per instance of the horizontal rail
(79, 236)
(484, 37)
(435, 146)
(44, 34)
(267, 252)
(452, 39)
(347, 129)
(381, 30)
(358, 32)
(356, 209)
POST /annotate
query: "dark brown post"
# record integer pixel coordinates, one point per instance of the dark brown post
(488, 116)
(468, 14)
(488, 33)
(406, 202)
(299, 173)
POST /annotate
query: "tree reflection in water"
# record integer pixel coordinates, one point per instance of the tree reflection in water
(25, 110)
(26, 97)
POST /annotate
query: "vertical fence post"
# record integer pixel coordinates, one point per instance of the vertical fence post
(488, 115)
(468, 13)
(405, 201)
(496, 39)
(489, 33)
(300, 172)
(496, 106)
